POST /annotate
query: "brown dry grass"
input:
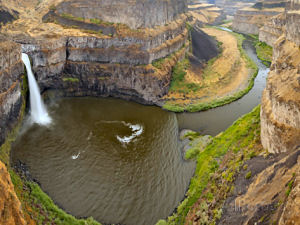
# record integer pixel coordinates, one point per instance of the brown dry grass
(32, 11)
(226, 75)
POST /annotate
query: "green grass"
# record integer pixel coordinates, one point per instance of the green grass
(226, 21)
(264, 52)
(100, 22)
(70, 79)
(71, 17)
(248, 175)
(240, 138)
(195, 107)
(290, 185)
(178, 82)
(159, 63)
(192, 153)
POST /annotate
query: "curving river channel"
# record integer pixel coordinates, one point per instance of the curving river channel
(218, 119)
(118, 161)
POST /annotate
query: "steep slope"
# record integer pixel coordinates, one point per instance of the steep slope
(10, 206)
(250, 19)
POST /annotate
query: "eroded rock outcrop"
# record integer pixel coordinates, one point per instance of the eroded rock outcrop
(11, 70)
(10, 206)
(272, 29)
(270, 195)
(280, 115)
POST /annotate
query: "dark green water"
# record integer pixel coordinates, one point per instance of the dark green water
(117, 161)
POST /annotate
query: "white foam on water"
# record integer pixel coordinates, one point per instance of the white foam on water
(136, 129)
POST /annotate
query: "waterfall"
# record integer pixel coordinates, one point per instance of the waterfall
(38, 111)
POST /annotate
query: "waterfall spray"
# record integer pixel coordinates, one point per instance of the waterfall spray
(38, 111)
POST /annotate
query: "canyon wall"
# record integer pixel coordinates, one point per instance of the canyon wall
(280, 110)
(11, 71)
(119, 66)
(272, 29)
(231, 6)
(134, 13)
(250, 20)
(206, 13)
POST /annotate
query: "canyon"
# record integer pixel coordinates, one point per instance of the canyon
(119, 49)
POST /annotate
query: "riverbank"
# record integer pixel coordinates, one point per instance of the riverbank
(221, 160)
(224, 79)
(263, 50)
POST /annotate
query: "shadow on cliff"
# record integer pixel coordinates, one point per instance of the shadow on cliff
(204, 47)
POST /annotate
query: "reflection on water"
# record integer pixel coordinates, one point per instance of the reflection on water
(114, 160)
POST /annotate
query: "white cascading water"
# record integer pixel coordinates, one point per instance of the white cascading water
(38, 110)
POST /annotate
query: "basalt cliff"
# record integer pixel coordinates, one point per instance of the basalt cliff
(280, 104)
(249, 20)
(120, 49)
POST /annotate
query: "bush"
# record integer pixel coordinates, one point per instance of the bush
(248, 175)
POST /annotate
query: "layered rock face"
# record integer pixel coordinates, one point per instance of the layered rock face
(270, 196)
(11, 69)
(10, 206)
(206, 13)
(273, 29)
(280, 114)
(134, 13)
(109, 66)
(249, 20)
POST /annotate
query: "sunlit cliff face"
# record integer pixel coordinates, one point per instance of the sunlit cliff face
(135, 14)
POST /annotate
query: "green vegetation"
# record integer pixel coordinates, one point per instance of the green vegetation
(100, 22)
(159, 63)
(40, 207)
(71, 17)
(52, 7)
(178, 82)
(213, 104)
(214, 175)
(161, 222)
(197, 144)
(191, 135)
(227, 21)
(70, 79)
(264, 52)
(290, 185)
(201, 106)
(248, 175)
(192, 153)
